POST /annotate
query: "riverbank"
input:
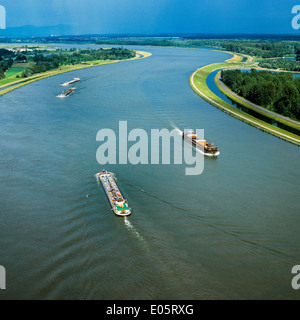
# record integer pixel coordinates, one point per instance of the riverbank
(199, 85)
(48, 159)
(13, 85)
(250, 105)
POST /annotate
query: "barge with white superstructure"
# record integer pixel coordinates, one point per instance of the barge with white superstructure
(203, 146)
(71, 82)
(117, 201)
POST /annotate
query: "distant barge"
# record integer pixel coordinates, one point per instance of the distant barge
(118, 203)
(202, 145)
(71, 82)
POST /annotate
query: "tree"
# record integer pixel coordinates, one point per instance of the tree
(21, 58)
(276, 91)
(297, 50)
(270, 93)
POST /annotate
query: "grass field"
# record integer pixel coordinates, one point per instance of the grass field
(10, 74)
(16, 69)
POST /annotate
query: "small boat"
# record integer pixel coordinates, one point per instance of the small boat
(203, 146)
(117, 202)
(71, 82)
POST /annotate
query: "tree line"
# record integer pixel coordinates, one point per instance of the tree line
(47, 62)
(7, 58)
(259, 48)
(6, 61)
(263, 49)
(288, 65)
(276, 91)
(4, 66)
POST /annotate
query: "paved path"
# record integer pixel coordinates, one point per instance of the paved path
(255, 105)
(257, 124)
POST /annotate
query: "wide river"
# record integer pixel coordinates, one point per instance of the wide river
(230, 233)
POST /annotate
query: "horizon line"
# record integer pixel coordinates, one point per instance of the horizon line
(136, 35)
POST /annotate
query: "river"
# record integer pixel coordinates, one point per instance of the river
(230, 233)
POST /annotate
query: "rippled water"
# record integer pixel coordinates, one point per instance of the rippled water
(232, 232)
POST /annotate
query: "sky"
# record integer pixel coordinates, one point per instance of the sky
(155, 16)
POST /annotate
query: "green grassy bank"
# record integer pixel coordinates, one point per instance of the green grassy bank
(251, 107)
(17, 83)
(198, 84)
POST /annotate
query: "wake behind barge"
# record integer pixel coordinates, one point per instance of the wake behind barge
(118, 203)
(203, 146)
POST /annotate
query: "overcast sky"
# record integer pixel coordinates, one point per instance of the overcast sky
(154, 16)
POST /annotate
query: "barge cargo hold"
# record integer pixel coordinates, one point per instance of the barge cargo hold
(117, 202)
(202, 145)
(71, 82)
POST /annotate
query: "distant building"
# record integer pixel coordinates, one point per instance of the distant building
(20, 50)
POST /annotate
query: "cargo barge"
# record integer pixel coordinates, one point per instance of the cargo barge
(118, 203)
(67, 93)
(203, 146)
(71, 82)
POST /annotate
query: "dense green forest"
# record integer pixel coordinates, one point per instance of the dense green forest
(6, 61)
(43, 63)
(264, 49)
(278, 91)
(288, 65)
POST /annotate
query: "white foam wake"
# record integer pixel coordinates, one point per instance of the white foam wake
(133, 230)
(177, 129)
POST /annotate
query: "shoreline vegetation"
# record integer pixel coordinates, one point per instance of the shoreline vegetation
(12, 83)
(261, 48)
(199, 85)
(261, 110)
(246, 54)
(277, 93)
(270, 55)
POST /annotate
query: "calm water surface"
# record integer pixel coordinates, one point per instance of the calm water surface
(232, 232)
